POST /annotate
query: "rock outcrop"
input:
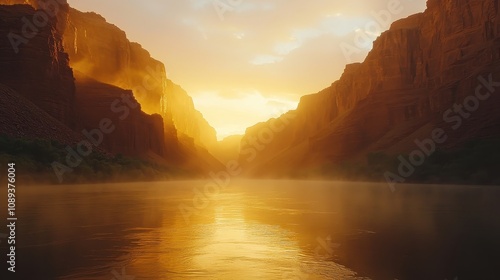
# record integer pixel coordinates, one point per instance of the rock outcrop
(131, 131)
(37, 68)
(103, 52)
(187, 119)
(54, 9)
(33, 61)
(416, 71)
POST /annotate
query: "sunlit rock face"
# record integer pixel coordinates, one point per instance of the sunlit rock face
(34, 63)
(102, 51)
(187, 119)
(417, 70)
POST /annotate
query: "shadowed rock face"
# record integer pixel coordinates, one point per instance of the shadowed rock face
(54, 8)
(36, 66)
(416, 71)
(20, 118)
(131, 131)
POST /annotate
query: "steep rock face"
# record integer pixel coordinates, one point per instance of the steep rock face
(53, 8)
(416, 71)
(187, 119)
(33, 61)
(131, 131)
(40, 72)
(102, 51)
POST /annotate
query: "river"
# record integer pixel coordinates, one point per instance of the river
(257, 230)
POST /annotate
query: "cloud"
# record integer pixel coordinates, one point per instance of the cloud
(265, 59)
(255, 6)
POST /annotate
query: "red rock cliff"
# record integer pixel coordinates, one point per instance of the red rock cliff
(39, 70)
(34, 63)
(416, 71)
(135, 133)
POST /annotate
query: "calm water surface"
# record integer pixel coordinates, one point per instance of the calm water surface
(257, 230)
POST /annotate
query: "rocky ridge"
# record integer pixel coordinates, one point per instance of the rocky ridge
(416, 71)
(102, 51)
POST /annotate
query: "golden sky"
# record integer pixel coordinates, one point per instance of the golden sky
(244, 61)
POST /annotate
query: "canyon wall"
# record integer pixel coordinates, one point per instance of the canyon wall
(131, 131)
(54, 9)
(36, 67)
(102, 51)
(33, 61)
(416, 71)
(187, 119)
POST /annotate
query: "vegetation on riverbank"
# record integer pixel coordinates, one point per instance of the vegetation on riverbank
(476, 162)
(34, 159)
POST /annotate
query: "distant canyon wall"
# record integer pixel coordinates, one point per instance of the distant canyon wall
(187, 119)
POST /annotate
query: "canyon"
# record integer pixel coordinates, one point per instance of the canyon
(76, 66)
(420, 76)
(416, 71)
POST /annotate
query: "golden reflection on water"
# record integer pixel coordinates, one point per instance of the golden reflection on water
(256, 229)
(223, 244)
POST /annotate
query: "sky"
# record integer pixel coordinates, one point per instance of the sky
(245, 61)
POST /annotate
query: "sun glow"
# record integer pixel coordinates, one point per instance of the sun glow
(230, 113)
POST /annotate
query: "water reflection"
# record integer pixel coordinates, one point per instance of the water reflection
(224, 244)
(266, 229)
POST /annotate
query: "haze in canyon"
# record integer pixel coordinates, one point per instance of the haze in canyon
(217, 139)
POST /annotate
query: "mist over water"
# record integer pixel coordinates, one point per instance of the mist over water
(258, 229)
